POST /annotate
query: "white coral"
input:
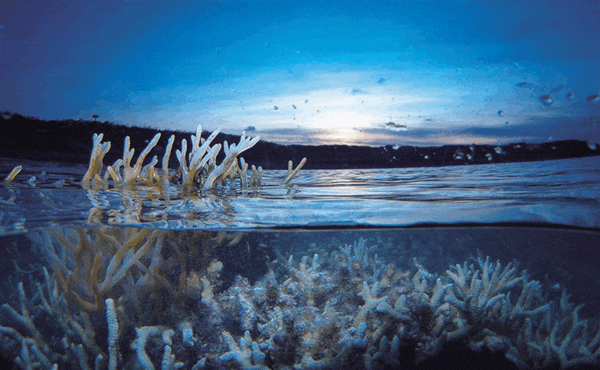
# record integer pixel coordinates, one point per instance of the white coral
(247, 354)
(229, 162)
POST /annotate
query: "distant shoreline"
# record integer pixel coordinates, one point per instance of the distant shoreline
(70, 141)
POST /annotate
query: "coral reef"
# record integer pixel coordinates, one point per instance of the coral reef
(198, 169)
(162, 295)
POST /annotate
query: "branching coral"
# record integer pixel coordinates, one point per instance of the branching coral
(229, 164)
(486, 300)
(53, 315)
(324, 311)
(89, 263)
(247, 354)
(198, 169)
(198, 157)
(11, 176)
(99, 150)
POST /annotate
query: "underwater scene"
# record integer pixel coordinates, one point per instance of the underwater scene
(218, 266)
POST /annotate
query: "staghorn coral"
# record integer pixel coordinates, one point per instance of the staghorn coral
(51, 315)
(248, 355)
(325, 311)
(198, 169)
(11, 176)
(90, 263)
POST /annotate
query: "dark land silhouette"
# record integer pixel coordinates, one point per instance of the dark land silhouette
(70, 141)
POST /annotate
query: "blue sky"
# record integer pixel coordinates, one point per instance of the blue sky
(311, 72)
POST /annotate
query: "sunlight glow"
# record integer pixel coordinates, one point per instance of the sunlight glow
(339, 119)
(345, 135)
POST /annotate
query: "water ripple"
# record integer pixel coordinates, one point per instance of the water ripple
(565, 192)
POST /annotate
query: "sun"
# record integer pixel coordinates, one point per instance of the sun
(339, 126)
(344, 134)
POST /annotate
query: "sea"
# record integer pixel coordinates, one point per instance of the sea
(475, 266)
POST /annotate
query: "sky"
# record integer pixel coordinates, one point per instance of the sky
(299, 72)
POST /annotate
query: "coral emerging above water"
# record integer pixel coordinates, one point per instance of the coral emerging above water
(197, 170)
(130, 298)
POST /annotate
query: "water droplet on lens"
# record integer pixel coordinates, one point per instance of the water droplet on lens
(501, 113)
(547, 100)
(570, 96)
(593, 99)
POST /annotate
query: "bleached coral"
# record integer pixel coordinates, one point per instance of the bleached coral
(54, 314)
(89, 263)
(198, 169)
(113, 334)
(99, 150)
(11, 176)
(229, 163)
(144, 335)
(247, 354)
(387, 355)
(324, 310)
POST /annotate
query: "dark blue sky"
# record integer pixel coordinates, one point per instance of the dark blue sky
(336, 71)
